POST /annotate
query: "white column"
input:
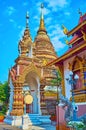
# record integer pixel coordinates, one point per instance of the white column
(68, 86)
(11, 97)
(30, 52)
(39, 109)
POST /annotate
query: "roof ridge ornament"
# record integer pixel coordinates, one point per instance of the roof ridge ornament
(79, 11)
(65, 30)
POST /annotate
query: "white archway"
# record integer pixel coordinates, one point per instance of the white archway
(32, 80)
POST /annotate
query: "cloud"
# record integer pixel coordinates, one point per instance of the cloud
(56, 4)
(48, 20)
(36, 17)
(46, 11)
(67, 13)
(56, 34)
(57, 43)
(13, 22)
(25, 3)
(56, 30)
(10, 10)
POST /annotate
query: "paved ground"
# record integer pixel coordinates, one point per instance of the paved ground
(4, 126)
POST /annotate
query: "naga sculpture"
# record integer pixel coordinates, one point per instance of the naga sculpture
(70, 109)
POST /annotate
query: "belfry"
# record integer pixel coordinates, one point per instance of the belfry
(30, 71)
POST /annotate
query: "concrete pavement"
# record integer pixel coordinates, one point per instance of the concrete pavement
(4, 126)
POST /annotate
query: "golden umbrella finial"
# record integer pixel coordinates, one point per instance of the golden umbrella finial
(42, 26)
(27, 17)
(42, 7)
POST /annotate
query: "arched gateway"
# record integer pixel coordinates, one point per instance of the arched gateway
(33, 82)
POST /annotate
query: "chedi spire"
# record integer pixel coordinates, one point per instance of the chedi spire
(42, 25)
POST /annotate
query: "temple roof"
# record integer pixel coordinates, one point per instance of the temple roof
(75, 37)
(70, 53)
(78, 33)
(82, 18)
(82, 22)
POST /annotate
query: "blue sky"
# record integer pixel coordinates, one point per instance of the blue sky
(13, 22)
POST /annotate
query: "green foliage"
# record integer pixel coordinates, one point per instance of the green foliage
(76, 124)
(57, 81)
(1, 114)
(4, 96)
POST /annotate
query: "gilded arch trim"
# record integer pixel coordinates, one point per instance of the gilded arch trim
(30, 68)
(77, 63)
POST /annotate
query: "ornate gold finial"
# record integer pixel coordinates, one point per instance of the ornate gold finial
(65, 30)
(79, 11)
(27, 17)
(66, 41)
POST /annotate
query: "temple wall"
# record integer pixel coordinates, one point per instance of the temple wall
(60, 119)
(66, 72)
(81, 109)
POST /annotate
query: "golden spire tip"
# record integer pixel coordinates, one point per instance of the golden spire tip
(27, 17)
(42, 5)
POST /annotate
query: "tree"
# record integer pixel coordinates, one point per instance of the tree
(57, 81)
(4, 96)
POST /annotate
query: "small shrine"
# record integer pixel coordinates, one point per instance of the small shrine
(30, 72)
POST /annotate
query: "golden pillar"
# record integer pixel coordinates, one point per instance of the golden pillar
(18, 101)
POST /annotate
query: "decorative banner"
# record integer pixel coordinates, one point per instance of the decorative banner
(28, 99)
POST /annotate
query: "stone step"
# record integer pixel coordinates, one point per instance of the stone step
(34, 119)
(39, 119)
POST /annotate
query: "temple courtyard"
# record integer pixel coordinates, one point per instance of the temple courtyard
(4, 126)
